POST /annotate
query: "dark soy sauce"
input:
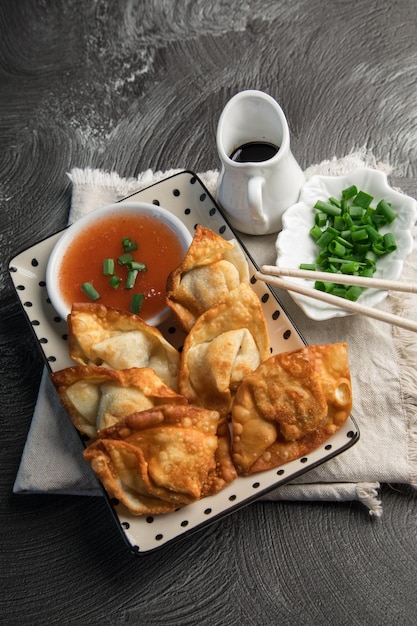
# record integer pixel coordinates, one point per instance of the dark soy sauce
(254, 152)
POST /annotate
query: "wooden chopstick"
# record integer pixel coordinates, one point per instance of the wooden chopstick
(352, 307)
(341, 279)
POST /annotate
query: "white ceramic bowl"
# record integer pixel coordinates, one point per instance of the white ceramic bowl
(294, 245)
(59, 303)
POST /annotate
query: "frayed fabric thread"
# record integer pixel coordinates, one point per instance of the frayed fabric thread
(368, 495)
(335, 166)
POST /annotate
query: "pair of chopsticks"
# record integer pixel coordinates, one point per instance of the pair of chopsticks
(273, 275)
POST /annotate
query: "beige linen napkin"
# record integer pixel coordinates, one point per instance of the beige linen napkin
(383, 362)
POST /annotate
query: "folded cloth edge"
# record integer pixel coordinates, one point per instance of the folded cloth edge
(406, 347)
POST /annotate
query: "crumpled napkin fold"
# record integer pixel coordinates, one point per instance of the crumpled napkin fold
(52, 459)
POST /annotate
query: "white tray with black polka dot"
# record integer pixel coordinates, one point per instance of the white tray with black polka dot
(185, 195)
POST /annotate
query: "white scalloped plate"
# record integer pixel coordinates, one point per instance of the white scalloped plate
(294, 244)
(185, 195)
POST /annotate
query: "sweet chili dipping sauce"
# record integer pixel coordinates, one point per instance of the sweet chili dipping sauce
(157, 247)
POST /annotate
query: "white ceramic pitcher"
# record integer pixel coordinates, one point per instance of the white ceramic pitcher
(255, 193)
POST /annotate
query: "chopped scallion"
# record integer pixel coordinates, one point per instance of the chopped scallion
(90, 291)
(326, 237)
(344, 242)
(124, 259)
(347, 233)
(324, 286)
(326, 207)
(353, 292)
(132, 267)
(350, 192)
(373, 234)
(363, 199)
(129, 245)
(115, 281)
(135, 265)
(389, 242)
(350, 267)
(316, 232)
(359, 235)
(355, 212)
(131, 279)
(335, 201)
(136, 302)
(321, 219)
(383, 208)
(336, 248)
(108, 267)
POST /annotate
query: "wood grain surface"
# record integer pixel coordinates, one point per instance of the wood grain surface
(127, 85)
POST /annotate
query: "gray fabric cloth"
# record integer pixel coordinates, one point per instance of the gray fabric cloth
(383, 361)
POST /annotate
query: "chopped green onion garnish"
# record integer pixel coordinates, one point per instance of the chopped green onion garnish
(131, 279)
(124, 259)
(129, 245)
(353, 292)
(373, 234)
(336, 248)
(347, 234)
(383, 208)
(90, 291)
(108, 267)
(135, 265)
(359, 235)
(363, 199)
(355, 212)
(362, 248)
(379, 248)
(339, 222)
(324, 286)
(326, 207)
(350, 267)
(335, 201)
(321, 219)
(326, 238)
(339, 290)
(389, 242)
(132, 267)
(136, 302)
(115, 281)
(344, 242)
(350, 192)
(316, 232)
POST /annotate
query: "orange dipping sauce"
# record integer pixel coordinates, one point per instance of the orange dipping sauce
(158, 248)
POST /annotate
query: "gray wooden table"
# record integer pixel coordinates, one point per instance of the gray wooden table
(130, 85)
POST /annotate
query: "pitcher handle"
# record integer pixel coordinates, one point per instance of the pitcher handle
(255, 185)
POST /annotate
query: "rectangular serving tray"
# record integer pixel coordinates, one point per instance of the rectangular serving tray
(185, 195)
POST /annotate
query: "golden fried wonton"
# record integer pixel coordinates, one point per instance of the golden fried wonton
(227, 343)
(96, 397)
(157, 460)
(211, 268)
(116, 339)
(291, 404)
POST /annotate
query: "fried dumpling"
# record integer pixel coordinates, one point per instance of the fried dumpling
(227, 343)
(96, 397)
(291, 404)
(224, 471)
(157, 460)
(115, 339)
(211, 269)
